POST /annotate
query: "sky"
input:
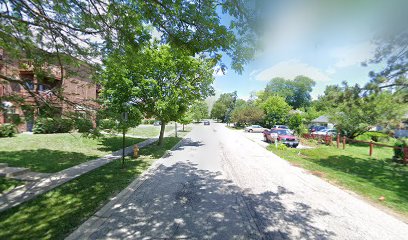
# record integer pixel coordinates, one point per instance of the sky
(326, 42)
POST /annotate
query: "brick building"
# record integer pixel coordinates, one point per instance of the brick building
(74, 85)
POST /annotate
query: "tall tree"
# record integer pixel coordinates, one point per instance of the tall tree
(296, 92)
(198, 110)
(223, 107)
(247, 113)
(58, 32)
(355, 112)
(159, 80)
(276, 110)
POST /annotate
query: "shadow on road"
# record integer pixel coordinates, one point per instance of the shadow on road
(182, 201)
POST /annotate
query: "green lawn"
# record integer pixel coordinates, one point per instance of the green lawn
(57, 213)
(150, 131)
(352, 168)
(55, 152)
(6, 184)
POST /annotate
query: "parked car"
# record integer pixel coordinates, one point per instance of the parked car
(313, 129)
(206, 122)
(282, 136)
(324, 132)
(281, 126)
(254, 128)
(156, 123)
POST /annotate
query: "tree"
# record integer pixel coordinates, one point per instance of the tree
(159, 80)
(224, 106)
(276, 110)
(198, 110)
(185, 119)
(392, 48)
(355, 112)
(295, 122)
(61, 32)
(296, 92)
(246, 114)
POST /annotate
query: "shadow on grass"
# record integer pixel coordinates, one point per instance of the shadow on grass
(373, 177)
(54, 214)
(44, 160)
(113, 143)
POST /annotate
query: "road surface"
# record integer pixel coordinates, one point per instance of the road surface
(221, 185)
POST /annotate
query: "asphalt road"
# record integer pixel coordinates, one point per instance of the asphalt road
(221, 185)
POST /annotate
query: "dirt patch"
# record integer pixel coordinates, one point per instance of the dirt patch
(318, 174)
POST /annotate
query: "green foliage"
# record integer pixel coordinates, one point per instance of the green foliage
(374, 136)
(52, 125)
(276, 111)
(247, 114)
(355, 112)
(296, 92)
(296, 123)
(198, 111)
(83, 125)
(282, 147)
(186, 118)
(7, 130)
(106, 123)
(399, 153)
(158, 81)
(224, 106)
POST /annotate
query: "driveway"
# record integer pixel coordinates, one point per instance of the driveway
(221, 185)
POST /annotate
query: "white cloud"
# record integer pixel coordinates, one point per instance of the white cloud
(290, 69)
(352, 55)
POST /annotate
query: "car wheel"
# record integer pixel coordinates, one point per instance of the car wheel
(250, 130)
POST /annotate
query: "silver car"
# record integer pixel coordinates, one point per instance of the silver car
(254, 128)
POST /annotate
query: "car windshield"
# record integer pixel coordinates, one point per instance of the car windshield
(281, 132)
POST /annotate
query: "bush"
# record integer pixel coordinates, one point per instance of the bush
(374, 136)
(83, 125)
(52, 125)
(399, 153)
(107, 123)
(282, 146)
(7, 130)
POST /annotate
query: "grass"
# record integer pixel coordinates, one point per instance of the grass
(150, 131)
(6, 184)
(54, 152)
(57, 213)
(352, 168)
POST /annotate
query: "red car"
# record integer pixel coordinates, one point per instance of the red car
(282, 136)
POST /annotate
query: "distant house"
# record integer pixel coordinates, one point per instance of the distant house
(322, 121)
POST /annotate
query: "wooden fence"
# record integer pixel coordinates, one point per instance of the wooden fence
(328, 140)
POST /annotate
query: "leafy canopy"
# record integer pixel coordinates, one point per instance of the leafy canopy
(296, 92)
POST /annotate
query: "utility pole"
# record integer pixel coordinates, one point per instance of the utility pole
(175, 127)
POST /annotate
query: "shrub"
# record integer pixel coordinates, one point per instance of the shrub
(399, 153)
(83, 125)
(282, 146)
(107, 123)
(374, 136)
(7, 130)
(52, 125)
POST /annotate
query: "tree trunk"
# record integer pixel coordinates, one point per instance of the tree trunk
(162, 127)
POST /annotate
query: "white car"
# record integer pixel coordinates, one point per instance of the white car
(254, 128)
(324, 132)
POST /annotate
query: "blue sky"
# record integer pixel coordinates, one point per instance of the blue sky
(325, 43)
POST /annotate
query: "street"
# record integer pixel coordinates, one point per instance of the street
(221, 185)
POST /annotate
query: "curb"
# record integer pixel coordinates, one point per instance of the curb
(85, 230)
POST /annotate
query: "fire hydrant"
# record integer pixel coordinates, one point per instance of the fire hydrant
(135, 151)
